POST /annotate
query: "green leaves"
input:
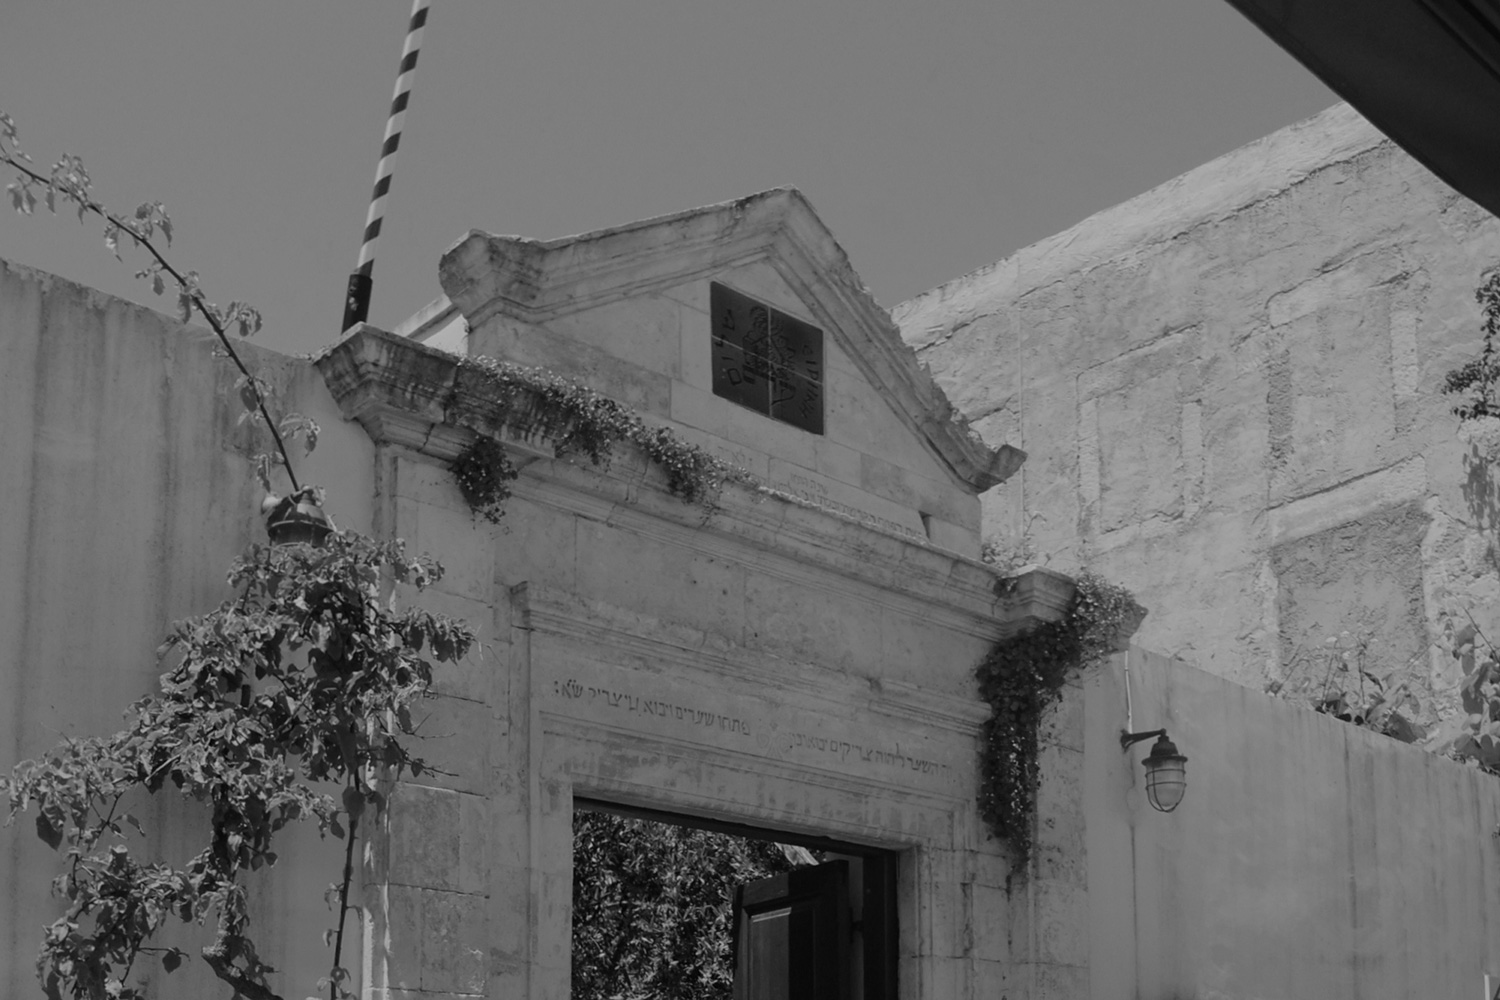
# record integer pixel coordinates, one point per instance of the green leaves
(579, 420)
(249, 395)
(263, 471)
(243, 317)
(484, 472)
(70, 181)
(1020, 679)
(21, 197)
(49, 833)
(295, 425)
(1476, 379)
(652, 902)
(305, 676)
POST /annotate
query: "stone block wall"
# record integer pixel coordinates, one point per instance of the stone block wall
(763, 663)
(1228, 389)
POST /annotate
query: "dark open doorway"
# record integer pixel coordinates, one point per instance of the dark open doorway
(669, 907)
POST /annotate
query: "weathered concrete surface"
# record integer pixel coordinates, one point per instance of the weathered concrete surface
(125, 494)
(1227, 381)
(1309, 857)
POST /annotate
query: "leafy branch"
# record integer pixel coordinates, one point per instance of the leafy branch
(1477, 379)
(580, 421)
(1343, 678)
(69, 181)
(1471, 734)
(304, 678)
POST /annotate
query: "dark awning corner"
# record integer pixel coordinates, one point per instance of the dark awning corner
(1425, 72)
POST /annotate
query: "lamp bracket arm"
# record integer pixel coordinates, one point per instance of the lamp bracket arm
(1128, 740)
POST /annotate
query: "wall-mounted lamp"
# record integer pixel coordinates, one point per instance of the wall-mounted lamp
(295, 520)
(1166, 769)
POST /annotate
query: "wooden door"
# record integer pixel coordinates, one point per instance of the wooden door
(791, 935)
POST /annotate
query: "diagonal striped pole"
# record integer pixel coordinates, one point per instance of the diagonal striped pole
(357, 298)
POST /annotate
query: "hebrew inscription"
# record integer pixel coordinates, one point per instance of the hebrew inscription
(845, 750)
(572, 689)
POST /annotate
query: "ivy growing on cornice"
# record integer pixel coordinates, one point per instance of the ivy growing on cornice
(1020, 679)
(578, 420)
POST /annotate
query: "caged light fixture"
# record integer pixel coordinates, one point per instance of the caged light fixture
(295, 519)
(1166, 769)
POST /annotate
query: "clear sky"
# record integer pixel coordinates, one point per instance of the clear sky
(933, 137)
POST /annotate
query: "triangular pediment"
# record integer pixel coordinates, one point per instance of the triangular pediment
(770, 245)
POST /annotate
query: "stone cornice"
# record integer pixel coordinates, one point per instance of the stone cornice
(537, 281)
(407, 394)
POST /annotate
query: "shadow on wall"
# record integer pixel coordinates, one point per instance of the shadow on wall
(1482, 494)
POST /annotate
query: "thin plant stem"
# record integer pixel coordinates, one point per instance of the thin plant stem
(334, 984)
(195, 296)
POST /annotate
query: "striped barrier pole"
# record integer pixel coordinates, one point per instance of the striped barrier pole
(357, 298)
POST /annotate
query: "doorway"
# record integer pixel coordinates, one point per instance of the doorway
(669, 907)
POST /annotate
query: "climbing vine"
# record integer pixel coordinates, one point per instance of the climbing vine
(580, 421)
(1472, 733)
(291, 701)
(1474, 382)
(283, 704)
(1020, 679)
(484, 473)
(68, 183)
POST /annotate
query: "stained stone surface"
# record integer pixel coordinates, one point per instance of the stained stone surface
(1232, 373)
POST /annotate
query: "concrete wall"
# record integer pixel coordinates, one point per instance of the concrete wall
(1228, 391)
(126, 491)
(1309, 859)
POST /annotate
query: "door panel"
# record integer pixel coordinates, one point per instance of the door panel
(791, 938)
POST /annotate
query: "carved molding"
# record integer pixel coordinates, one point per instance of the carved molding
(1038, 595)
(536, 281)
(407, 394)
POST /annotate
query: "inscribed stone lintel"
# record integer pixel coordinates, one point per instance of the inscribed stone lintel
(762, 531)
(579, 635)
(753, 731)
